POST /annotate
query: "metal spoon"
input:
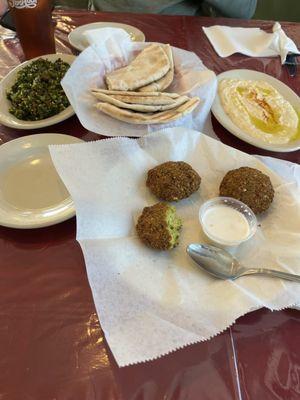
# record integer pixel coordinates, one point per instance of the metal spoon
(223, 265)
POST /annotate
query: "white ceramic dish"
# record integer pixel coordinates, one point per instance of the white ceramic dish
(7, 119)
(79, 42)
(283, 89)
(32, 194)
(226, 225)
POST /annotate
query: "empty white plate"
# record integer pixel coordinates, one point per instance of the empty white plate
(78, 40)
(284, 90)
(32, 194)
(7, 119)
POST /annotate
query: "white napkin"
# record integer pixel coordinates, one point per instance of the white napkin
(116, 50)
(150, 302)
(253, 42)
(95, 36)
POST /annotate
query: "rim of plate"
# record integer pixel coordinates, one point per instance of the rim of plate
(226, 122)
(40, 140)
(75, 36)
(11, 121)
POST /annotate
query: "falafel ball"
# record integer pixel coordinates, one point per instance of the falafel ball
(158, 226)
(250, 186)
(173, 180)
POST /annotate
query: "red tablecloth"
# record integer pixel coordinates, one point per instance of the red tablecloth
(51, 344)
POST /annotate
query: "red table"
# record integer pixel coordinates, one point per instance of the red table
(51, 344)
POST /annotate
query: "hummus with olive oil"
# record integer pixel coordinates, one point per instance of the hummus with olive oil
(259, 110)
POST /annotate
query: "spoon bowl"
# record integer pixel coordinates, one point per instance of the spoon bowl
(221, 264)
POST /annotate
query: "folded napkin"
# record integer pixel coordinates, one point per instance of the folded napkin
(94, 36)
(253, 42)
(152, 302)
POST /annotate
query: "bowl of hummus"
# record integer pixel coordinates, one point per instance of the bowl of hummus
(258, 109)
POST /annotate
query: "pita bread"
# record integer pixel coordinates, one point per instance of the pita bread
(150, 65)
(155, 118)
(152, 100)
(133, 93)
(166, 80)
(141, 107)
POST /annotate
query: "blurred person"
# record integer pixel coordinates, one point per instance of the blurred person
(226, 8)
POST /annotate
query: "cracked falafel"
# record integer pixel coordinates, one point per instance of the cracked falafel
(250, 186)
(158, 226)
(173, 180)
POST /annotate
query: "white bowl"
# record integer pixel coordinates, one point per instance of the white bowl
(247, 74)
(7, 119)
(236, 205)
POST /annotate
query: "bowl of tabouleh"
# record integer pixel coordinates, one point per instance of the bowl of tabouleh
(31, 95)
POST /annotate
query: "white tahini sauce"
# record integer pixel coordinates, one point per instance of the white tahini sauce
(226, 224)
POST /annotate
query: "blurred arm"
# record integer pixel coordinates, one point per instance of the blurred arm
(3, 7)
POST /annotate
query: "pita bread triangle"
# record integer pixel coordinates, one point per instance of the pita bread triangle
(151, 64)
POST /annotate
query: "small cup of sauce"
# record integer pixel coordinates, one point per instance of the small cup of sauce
(227, 221)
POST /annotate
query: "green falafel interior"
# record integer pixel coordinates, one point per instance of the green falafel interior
(158, 226)
(173, 225)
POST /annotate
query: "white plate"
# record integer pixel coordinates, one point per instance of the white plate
(7, 119)
(224, 119)
(78, 40)
(32, 194)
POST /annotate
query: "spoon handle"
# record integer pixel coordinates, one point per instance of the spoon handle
(272, 273)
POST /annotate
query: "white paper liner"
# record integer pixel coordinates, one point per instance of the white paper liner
(116, 50)
(149, 302)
